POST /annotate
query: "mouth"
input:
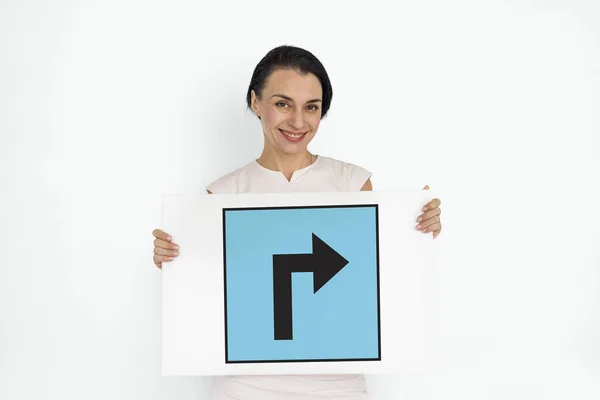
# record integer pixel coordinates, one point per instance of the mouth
(293, 136)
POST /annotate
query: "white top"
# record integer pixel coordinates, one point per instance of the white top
(324, 175)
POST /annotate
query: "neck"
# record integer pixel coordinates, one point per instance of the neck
(285, 163)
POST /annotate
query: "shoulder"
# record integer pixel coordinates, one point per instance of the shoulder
(352, 177)
(230, 182)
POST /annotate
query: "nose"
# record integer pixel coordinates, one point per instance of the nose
(296, 119)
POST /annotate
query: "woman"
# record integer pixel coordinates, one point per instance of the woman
(290, 93)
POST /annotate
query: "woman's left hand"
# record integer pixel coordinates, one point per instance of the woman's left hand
(430, 220)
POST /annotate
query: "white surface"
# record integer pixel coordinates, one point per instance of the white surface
(192, 287)
(106, 106)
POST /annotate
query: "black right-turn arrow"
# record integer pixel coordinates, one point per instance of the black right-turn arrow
(324, 263)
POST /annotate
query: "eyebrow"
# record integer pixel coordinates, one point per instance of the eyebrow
(290, 99)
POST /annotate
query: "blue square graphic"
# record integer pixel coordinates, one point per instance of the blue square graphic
(301, 284)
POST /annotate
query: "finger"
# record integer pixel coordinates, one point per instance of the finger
(426, 187)
(426, 224)
(165, 245)
(158, 260)
(432, 204)
(164, 252)
(159, 234)
(429, 214)
(433, 228)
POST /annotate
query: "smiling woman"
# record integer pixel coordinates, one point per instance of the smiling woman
(290, 93)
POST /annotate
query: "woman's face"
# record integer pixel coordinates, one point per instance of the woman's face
(290, 110)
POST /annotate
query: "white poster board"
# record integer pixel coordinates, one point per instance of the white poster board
(296, 283)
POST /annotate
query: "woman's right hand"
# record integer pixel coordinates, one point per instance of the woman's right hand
(164, 249)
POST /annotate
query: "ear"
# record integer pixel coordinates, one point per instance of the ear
(254, 102)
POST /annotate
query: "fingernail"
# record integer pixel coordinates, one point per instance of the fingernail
(419, 219)
(176, 247)
(418, 226)
(425, 208)
(169, 238)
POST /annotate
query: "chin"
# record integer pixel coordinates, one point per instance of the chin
(292, 149)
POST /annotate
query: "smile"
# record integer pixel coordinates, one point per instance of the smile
(293, 136)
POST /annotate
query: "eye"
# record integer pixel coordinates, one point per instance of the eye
(281, 104)
(313, 107)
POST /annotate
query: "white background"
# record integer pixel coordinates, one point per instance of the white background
(106, 106)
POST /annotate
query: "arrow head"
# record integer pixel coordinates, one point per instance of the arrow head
(327, 263)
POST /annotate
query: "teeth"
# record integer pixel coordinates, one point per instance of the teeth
(292, 135)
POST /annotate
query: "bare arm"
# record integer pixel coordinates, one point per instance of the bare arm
(368, 186)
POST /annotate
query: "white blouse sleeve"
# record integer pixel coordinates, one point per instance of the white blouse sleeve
(223, 185)
(355, 177)
(358, 177)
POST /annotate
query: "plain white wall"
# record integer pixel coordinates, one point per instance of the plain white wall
(106, 106)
